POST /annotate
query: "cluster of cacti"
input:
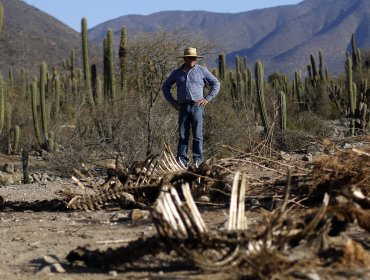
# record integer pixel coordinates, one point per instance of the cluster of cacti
(58, 95)
(357, 106)
(45, 137)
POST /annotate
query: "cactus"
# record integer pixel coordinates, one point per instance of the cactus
(321, 67)
(313, 68)
(99, 94)
(105, 67)
(250, 81)
(94, 76)
(1, 18)
(15, 132)
(43, 84)
(259, 74)
(282, 110)
(26, 177)
(34, 92)
(2, 107)
(354, 52)
(351, 94)
(123, 57)
(222, 66)
(110, 56)
(57, 91)
(8, 113)
(299, 91)
(51, 142)
(364, 118)
(70, 66)
(85, 56)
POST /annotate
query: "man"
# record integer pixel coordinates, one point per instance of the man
(190, 80)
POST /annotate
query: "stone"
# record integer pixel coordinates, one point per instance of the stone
(113, 273)
(204, 198)
(36, 178)
(284, 156)
(8, 168)
(137, 214)
(307, 157)
(253, 203)
(9, 182)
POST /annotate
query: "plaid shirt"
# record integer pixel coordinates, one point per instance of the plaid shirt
(190, 86)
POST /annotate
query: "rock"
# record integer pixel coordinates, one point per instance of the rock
(45, 155)
(284, 156)
(307, 157)
(120, 216)
(315, 149)
(137, 214)
(8, 168)
(253, 203)
(9, 182)
(36, 178)
(113, 273)
(204, 198)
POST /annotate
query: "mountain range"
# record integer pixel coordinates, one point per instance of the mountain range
(282, 37)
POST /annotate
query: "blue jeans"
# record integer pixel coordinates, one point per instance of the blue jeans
(190, 115)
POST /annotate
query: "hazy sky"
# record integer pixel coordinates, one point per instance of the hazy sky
(97, 11)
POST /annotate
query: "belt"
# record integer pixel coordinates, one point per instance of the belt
(189, 102)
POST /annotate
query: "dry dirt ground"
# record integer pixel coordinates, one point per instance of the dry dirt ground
(34, 231)
(29, 234)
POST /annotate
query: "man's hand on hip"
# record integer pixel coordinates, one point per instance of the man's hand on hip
(202, 102)
(176, 106)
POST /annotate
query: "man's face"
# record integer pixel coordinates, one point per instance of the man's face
(190, 61)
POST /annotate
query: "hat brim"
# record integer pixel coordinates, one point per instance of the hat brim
(196, 56)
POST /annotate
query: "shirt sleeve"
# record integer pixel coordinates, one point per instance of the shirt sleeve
(166, 88)
(211, 80)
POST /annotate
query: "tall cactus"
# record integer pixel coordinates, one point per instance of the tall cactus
(1, 18)
(86, 65)
(222, 66)
(259, 76)
(34, 92)
(351, 94)
(105, 68)
(2, 107)
(43, 85)
(57, 91)
(15, 132)
(282, 110)
(110, 56)
(123, 58)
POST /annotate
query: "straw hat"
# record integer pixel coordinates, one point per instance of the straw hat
(190, 52)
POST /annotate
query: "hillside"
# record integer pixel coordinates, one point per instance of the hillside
(31, 36)
(283, 37)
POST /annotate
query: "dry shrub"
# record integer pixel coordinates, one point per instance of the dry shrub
(340, 172)
(354, 255)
